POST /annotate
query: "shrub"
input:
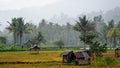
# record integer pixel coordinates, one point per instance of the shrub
(2, 46)
(98, 49)
(109, 61)
(99, 62)
(59, 43)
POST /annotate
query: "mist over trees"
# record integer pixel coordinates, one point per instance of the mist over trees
(107, 32)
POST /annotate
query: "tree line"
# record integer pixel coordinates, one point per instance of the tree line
(19, 32)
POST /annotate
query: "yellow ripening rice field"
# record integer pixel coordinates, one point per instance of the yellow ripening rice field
(45, 59)
(26, 56)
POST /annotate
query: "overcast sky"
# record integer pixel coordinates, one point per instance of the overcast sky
(18, 4)
(50, 8)
(81, 4)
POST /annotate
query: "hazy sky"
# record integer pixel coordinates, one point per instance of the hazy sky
(81, 4)
(18, 4)
(36, 9)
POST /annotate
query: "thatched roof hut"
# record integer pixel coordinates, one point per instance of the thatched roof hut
(82, 58)
(117, 52)
(68, 56)
(34, 49)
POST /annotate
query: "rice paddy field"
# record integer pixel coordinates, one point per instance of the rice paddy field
(47, 59)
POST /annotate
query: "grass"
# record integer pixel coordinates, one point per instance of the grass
(49, 59)
(26, 56)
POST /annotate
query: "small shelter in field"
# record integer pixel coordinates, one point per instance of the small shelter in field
(82, 58)
(68, 56)
(34, 49)
(88, 52)
(117, 52)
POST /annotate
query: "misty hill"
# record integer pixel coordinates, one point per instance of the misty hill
(49, 12)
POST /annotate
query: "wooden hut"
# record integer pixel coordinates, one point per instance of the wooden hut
(34, 49)
(68, 56)
(82, 58)
(89, 53)
(117, 52)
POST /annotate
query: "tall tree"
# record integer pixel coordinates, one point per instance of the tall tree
(59, 43)
(84, 26)
(13, 28)
(18, 27)
(118, 26)
(110, 26)
(103, 32)
(114, 33)
(22, 28)
(39, 38)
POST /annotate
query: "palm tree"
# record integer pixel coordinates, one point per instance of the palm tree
(22, 28)
(104, 31)
(39, 38)
(110, 26)
(18, 27)
(84, 26)
(113, 33)
(118, 26)
(13, 28)
(81, 25)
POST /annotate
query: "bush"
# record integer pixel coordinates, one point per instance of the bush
(59, 43)
(2, 46)
(16, 47)
(109, 61)
(98, 49)
(99, 61)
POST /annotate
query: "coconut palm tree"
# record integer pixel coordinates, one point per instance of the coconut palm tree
(39, 38)
(13, 28)
(84, 26)
(18, 27)
(22, 28)
(103, 32)
(81, 25)
(113, 33)
(118, 26)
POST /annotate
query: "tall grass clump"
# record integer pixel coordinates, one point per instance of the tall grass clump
(100, 61)
(110, 61)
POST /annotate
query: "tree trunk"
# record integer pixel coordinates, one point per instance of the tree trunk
(21, 40)
(15, 38)
(106, 40)
(119, 41)
(114, 39)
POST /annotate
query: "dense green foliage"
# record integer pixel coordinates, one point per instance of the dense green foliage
(18, 27)
(88, 35)
(59, 43)
(106, 32)
(104, 61)
(3, 40)
(98, 49)
(39, 39)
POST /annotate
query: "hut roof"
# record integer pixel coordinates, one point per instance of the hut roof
(117, 48)
(81, 54)
(85, 54)
(78, 54)
(66, 53)
(88, 52)
(34, 47)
